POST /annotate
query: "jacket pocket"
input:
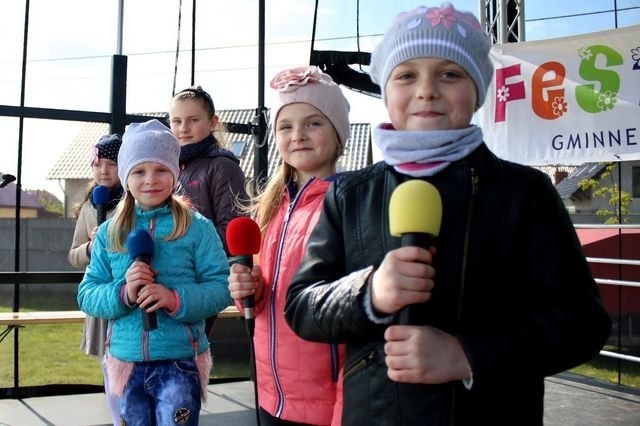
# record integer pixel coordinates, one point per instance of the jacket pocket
(357, 389)
(360, 365)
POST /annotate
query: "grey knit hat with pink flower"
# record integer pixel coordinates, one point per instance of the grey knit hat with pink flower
(311, 86)
(150, 141)
(437, 32)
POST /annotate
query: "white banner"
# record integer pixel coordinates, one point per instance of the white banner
(566, 101)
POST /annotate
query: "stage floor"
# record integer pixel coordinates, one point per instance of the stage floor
(570, 400)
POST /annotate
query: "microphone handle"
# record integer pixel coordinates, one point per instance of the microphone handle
(102, 213)
(243, 259)
(416, 239)
(413, 239)
(248, 301)
(149, 319)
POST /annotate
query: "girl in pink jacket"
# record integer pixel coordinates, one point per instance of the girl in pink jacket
(298, 381)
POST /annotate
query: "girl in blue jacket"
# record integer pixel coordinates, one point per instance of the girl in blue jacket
(161, 373)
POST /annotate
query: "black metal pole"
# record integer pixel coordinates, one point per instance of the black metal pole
(193, 44)
(118, 94)
(261, 149)
(16, 286)
(313, 31)
(619, 336)
(619, 269)
(118, 101)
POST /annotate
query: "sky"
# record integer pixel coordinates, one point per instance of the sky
(71, 43)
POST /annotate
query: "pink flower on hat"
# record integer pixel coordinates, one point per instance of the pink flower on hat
(94, 155)
(290, 80)
(444, 15)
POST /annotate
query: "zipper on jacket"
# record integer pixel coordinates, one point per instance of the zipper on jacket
(360, 364)
(272, 301)
(463, 277)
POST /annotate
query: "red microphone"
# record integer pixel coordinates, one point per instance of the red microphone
(243, 239)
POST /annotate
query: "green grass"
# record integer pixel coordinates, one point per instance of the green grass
(606, 370)
(50, 354)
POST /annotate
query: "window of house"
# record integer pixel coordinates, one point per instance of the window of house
(237, 147)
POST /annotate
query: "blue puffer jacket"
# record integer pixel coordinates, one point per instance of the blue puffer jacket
(194, 266)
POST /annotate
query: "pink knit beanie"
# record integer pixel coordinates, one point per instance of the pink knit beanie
(310, 85)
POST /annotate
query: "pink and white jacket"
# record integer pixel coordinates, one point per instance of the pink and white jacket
(298, 380)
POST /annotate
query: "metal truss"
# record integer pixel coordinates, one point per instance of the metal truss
(503, 19)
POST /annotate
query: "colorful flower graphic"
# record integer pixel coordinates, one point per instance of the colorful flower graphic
(585, 53)
(635, 56)
(443, 15)
(93, 155)
(288, 81)
(607, 100)
(503, 94)
(559, 106)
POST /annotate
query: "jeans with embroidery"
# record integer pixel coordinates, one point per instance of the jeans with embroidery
(162, 393)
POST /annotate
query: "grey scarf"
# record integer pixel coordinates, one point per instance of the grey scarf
(425, 152)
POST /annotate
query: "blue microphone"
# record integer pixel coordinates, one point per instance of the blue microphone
(100, 197)
(140, 246)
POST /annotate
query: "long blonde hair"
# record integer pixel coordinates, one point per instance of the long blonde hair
(123, 221)
(263, 205)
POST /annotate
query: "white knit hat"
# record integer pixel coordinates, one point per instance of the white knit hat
(438, 32)
(311, 86)
(150, 141)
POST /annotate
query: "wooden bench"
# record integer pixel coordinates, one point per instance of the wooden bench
(40, 317)
(20, 319)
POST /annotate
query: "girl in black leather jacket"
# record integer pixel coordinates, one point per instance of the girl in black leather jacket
(503, 298)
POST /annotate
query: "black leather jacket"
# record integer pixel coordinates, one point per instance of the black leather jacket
(512, 284)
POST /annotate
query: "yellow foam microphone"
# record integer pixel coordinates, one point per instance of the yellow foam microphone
(415, 215)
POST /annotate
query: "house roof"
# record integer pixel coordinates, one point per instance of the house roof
(569, 187)
(8, 198)
(74, 162)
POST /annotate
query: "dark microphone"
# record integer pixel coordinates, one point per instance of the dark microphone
(415, 214)
(100, 199)
(6, 180)
(243, 239)
(140, 246)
